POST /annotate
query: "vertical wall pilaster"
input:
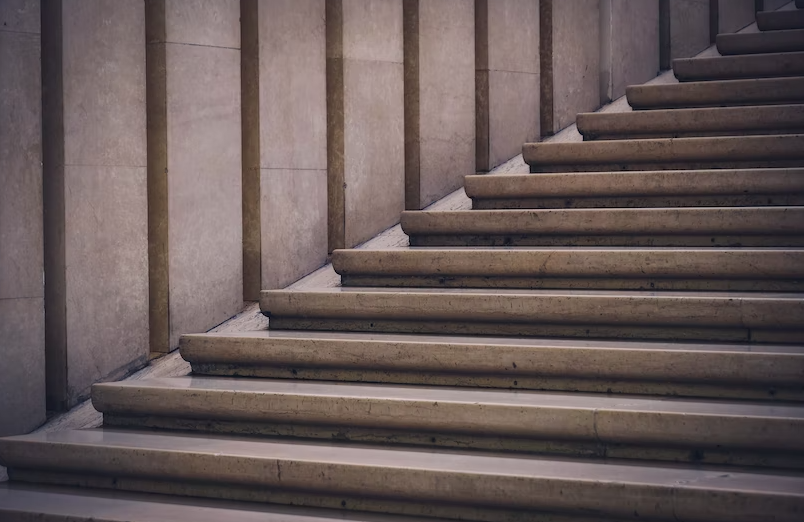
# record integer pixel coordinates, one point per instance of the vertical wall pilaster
(439, 98)
(733, 15)
(94, 155)
(685, 29)
(507, 78)
(194, 166)
(365, 119)
(22, 312)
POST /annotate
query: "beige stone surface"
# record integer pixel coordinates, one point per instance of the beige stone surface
(733, 15)
(791, 40)
(212, 23)
(689, 28)
(629, 50)
(439, 98)
(294, 224)
(575, 61)
(749, 66)
(760, 91)
(781, 20)
(22, 382)
(20, 16)
(507, 79)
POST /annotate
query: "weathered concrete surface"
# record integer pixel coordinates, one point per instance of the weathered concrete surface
(94, 152)
(195, 137)
(284, 105)
(507, 78)
(733, 15)
(762, 42)
(629, 46)
(685, 29)
(365, 119)
(763, 91)
(439, 64)
(570, 61)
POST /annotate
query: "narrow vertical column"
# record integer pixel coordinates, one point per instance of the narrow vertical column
(22, 308)
(95, 204)
(570, 58)
(733, 15)
(507, 78)
(685, 29)
(194, 166)
(439, 98)
(365, 118)
(285, 142)
(629, 47)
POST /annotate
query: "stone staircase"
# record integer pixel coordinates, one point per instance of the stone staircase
(617, 336)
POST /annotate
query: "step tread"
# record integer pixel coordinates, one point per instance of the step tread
(442, 394)
(743, 66)
(780, 20)
(716, 92)
(761, 42)
(92, 505)
(142, 443)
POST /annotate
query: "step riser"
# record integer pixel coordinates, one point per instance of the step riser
(780, 20)
(768, 130)
(736, 93)
(481, 441)
(629, 165)
(524, 240)
(483, 203)
(578, 331)
(316, 500)
(739, 67)
(607, 283)
(169, 471)
(761, 43)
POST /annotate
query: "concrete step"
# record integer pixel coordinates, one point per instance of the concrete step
(770, 65)
(27, 503)
(664, 188)
(634, 314)
(747, 371)
(675, 123)
(474, 486)
(731, 152)
(761, 91)
(571, 424)
(780, 20)
(684, 226)
(788, 41)
(575, 268)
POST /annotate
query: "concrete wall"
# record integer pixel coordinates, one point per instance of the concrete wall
(629, 48)
(439, 63)
(772, 5)
(507, 78)
(365, 118)
(733, 15)
(194, 166)
(570, 60)
(684, 29)
(285, 142)
(95, 204)
(22, 307)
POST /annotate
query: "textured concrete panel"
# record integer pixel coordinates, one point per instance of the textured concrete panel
(573, 54)
(21, 159)
(629, 46)
(365, 119)
(213, 23)
(22, 381)
(203, 187)
(773, 5)
(20, 16)
(514, 109)
(507, 49)
(688, 27)
(294, 224)
(439, 98)
(373, 148)
(106, 283)
(103, 125)
(733, 15)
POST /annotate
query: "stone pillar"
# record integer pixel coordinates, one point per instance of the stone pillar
(629, 45)
(95, 204)
(22, 308)
(733, 15)
(684, 29)
(507, 78)
(365, 119)
(770, 5)
(570, 61)
(439, 59)
(194, 166)
(284, 142)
